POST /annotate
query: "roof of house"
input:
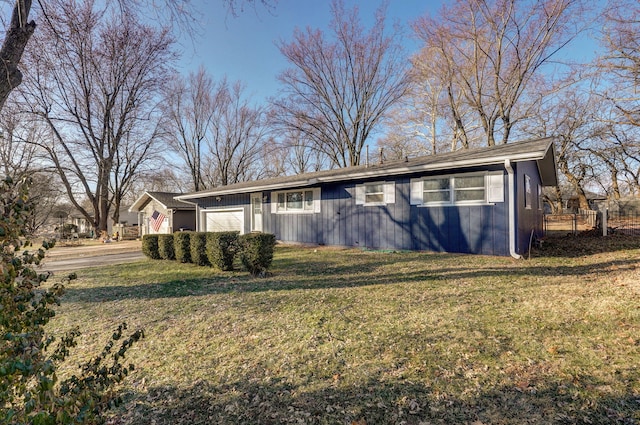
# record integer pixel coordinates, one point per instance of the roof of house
(540, 150)
(166, 199)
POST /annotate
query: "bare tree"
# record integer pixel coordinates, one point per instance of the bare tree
(189, 110)
(338, 92)
(487, 53)
(238, 131)
(96, 88)
(175, 13)
(215, 130)
(621, 59)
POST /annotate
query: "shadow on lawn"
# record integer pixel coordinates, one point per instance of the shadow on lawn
(571, 246)
(323, 275)
(376, 402)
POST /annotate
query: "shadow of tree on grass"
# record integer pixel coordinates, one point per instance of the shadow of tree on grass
(376, 402)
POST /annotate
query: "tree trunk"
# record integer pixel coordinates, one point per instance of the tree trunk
(15, 41)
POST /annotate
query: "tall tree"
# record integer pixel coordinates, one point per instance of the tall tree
(238, 132)
(339, 91)
(621, 59)
(486, 55)
(215, 130)
(189, 110)
(96, 87)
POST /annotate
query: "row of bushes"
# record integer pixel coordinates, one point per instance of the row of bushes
(216, 249)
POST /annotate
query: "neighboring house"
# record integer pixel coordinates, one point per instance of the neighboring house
(484, 201)
(571, 202)
(159, 212)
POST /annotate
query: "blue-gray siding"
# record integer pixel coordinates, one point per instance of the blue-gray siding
(473, 229)
(479, 229)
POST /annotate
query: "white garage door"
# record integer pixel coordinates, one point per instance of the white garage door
(225, 221)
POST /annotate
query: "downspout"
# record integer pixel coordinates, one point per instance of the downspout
(512, 210)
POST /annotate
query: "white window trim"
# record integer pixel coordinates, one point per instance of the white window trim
(388, 191)
(493, 190)
(316, 208)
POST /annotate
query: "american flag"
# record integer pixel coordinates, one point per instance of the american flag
(156, 220)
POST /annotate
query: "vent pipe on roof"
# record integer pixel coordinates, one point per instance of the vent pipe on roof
(366, 160)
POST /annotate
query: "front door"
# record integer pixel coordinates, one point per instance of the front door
(256, 212)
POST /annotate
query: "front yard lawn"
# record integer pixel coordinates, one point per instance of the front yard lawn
(339, 336)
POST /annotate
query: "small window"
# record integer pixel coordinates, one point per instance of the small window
(436, 191)
(540, 199)
(375, 194)
(469, 188)
(527, 191)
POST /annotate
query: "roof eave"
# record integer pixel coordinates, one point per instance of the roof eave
(544, 157)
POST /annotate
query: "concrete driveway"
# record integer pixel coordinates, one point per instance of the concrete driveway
(91, 254)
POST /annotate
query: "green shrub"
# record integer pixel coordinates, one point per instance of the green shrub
(182, 246)
(221, 249)
(165, 247)
(150, 246)
(256, 251)
(199, 249)
(30, 391)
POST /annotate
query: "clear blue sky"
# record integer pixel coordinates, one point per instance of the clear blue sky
(244, 47)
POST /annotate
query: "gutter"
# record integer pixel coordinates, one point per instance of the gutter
(512, 210)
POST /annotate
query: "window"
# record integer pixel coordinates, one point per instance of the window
(377, 193)
(373, 193)
(540, 198)
(296, 201)
(436, 191)
(469, 188)
(527, 191)
(458, 189)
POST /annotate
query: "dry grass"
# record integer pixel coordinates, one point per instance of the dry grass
(348, 336)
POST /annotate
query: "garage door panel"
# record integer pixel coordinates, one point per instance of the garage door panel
(225, 221)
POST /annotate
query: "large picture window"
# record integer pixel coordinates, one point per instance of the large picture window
(296, 201)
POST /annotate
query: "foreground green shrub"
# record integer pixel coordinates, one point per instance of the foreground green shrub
(30, 391)
(256, 251)
(165, 247)
(221, 249)
(182, 246)
(150, 246)
(199, 249)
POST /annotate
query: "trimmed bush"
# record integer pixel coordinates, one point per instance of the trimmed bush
(256, 251)
(199, 248)
(182, 246)
(165, 247)
(221, 249)
(150, 246)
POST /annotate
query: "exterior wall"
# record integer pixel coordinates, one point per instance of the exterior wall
(531, 218)
(477, 229)
(481, 229)
(227, 202)
(147, 211)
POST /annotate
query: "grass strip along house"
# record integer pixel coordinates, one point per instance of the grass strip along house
(480, 201)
